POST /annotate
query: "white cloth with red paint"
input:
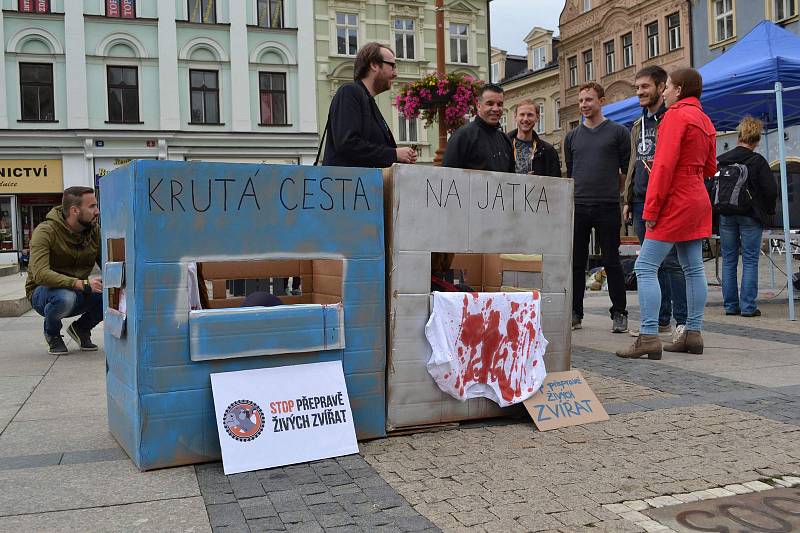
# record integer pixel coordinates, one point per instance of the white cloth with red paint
(487, 345)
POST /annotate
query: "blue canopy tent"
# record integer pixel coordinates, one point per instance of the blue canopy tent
(758, 76)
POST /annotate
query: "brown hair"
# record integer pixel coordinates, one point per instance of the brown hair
(689, 80)
(654, 72)
(749, 130)
(530, 103)
(73, 197)
(368, 54)
(595, 86)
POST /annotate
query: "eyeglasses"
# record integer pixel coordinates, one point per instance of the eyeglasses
(390, 63)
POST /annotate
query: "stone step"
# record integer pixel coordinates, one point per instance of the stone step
(7, 270)
(14, 307)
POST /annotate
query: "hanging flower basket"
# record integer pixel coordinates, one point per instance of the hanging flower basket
(456, 93)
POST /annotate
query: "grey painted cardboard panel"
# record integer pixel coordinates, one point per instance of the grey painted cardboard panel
(453, 210)
(405, 274)
(426, 214)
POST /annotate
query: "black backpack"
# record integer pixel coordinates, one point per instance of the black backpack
(730, 194)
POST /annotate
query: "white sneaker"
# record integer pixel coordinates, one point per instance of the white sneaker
(680, 329)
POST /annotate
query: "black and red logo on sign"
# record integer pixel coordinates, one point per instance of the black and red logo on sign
(243, 420)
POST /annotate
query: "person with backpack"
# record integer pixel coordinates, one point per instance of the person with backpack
(744, 194)
(677, 212)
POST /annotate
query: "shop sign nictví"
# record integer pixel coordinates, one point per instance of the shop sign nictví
(20, 176)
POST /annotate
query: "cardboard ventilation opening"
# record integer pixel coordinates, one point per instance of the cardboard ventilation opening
(321, 279)
(498, 272)
(116, 253)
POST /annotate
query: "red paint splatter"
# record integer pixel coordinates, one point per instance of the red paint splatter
(446, 375)
(499, 354)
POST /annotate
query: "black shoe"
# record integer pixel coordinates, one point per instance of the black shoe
(737, 312)
(756, 312)
(56, 345)
(82, 338)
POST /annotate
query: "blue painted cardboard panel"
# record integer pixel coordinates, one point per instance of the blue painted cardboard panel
(173, 213)
(265, 331)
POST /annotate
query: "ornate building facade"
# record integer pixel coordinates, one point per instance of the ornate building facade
(539, 82)
(608, 41)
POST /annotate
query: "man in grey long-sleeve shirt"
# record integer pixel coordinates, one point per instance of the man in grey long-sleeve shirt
(597, 154)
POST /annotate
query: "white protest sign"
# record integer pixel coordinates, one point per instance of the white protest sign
(277, 416)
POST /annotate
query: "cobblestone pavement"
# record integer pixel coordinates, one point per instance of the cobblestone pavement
(343, 494)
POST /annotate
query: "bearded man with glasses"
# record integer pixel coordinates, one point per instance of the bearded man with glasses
(358, 134)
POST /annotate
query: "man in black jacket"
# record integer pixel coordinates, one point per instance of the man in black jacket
(358, 135)
(480, 145)
(531, 154)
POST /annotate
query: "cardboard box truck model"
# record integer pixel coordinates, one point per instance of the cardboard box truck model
(235, 222)
(484, 218)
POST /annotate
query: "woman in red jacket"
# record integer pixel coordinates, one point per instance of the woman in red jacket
(677, 212)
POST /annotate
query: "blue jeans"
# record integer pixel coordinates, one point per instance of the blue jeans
(54, 304)
(670, 278)
(736, 230)
(690, 256)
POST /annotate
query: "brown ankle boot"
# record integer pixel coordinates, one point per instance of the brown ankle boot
(649, 345)
(689, 342)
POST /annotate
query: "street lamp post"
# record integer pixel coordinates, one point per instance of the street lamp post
(441, 69)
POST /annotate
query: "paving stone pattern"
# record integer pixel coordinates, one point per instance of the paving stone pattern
(509, 477)
(751, 332)
(687, 388)
(674, 434)
(343, 494)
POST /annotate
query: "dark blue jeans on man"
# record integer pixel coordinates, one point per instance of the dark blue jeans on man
(670, 278)
(55, 304)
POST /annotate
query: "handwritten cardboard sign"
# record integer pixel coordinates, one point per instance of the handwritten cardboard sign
(277, 416)
(565, 399)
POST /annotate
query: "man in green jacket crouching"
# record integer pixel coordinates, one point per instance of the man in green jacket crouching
(64, 249)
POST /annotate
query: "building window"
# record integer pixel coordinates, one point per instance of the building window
(558, 114)
(458, 43)
(346, 34)
(125, 9)
(723, 20)
(784, 9)
(573, 71)
(573, 124)
(587, 5)
(204, 11)
(404, 38)
(204, 96)
(34, 6)
(36, 91)
(540, 123)
(270, 13)
(272, 93)
(495, 72)
(610, 56)
(674, 31)
(406, 129)
(588, 69)
(652, 39)
(627, 50)
(539, 57)
(123, 94)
